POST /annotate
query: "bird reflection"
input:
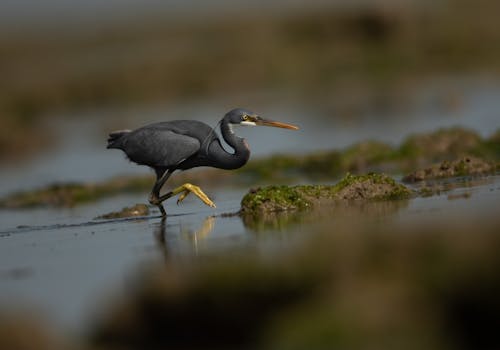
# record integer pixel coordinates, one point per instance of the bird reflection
(185, 233)
(159, 234)
(201, 233)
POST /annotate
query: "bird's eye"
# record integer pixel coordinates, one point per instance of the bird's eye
(245, 117)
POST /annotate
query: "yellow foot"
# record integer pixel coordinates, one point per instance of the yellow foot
(188, 188)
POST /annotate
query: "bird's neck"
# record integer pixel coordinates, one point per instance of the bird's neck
(241, 150)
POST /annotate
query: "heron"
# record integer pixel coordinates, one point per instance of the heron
(184, 144)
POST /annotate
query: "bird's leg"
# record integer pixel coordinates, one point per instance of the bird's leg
(154, 197)
(184, 190)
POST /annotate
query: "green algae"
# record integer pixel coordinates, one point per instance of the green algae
(301, 197)
(275, 198)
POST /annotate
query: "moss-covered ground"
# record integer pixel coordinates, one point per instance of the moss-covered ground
(352, 187)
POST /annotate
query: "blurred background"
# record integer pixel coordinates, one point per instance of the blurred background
(343, 71)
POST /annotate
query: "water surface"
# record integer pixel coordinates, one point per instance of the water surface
(66, 264)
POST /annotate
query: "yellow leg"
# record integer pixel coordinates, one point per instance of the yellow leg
(186, 189)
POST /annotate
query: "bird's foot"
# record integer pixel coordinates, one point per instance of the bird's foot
(188, 188)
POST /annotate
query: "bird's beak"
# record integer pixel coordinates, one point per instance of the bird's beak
(264, 122)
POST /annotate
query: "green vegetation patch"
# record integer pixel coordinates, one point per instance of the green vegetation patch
(276, 198)
(351, 187)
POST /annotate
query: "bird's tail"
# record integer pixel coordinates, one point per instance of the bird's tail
(115, 138)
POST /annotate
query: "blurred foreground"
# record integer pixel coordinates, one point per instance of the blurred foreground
(361, 285)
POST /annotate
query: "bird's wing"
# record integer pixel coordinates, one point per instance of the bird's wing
(159, 147)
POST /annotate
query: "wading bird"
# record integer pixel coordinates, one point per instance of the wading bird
(185, 144)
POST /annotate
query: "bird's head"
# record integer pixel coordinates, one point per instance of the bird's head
(240, 116)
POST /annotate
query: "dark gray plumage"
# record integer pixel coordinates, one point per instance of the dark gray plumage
(184, 144)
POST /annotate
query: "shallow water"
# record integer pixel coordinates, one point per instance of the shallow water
(68, 265)
(80, 153)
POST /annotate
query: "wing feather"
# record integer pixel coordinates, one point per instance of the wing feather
(159, 147)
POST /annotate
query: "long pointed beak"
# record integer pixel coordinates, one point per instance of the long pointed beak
(264, 122)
